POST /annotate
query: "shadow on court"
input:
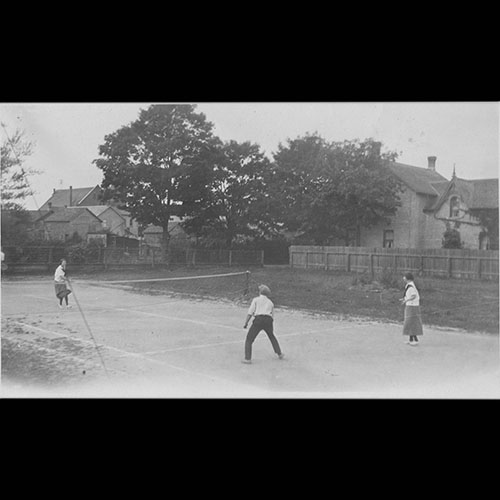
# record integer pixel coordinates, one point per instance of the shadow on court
(130, 344)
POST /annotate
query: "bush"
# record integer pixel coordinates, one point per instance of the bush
(390, 279)
(362, 279)
(84, 253)
(451, 238)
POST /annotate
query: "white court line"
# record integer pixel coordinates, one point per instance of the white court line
(230, 342)
(176, 318)
(87, 306)
(126, 353)
(206, 323)
(27, 282)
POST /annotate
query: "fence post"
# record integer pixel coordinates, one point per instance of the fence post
(193, 261)
(479, 268)
(230, 257)
(422, 265)
(372, 271)
(307, 260)
(348, 262)
(450, 269)
(262, 258)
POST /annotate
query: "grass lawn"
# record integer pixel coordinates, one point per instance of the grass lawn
(463, 304)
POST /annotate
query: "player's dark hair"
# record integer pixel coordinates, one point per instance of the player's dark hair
(409, 276)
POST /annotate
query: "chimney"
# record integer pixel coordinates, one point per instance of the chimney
(431, 163)
(71, 196)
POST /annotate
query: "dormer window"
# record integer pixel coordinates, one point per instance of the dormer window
(454, 206)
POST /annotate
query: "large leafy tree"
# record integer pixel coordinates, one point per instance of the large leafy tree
(15, 186)
(339, 187)
(160, 165)
(295, 181)
(236, 206)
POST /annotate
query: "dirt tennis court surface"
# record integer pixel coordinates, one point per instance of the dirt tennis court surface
(173, 346)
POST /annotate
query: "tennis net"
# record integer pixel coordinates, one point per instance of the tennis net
(231, 286)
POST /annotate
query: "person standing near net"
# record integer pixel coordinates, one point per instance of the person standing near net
(262, 310)
(412, 319)
(60, 279)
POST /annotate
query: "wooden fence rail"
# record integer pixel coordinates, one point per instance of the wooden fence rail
(49, 257)
(467, 263)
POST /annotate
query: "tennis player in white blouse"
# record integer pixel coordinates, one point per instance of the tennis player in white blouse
(262, 310)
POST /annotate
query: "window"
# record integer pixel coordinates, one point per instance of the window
(484, 241)
(454, 207)
(388, 238)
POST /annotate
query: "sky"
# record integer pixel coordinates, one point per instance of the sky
(66, 136)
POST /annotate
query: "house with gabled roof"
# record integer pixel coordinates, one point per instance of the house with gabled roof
(64, 222)
(113, 220)
(153, 235)
(74, 197)
(429, 205)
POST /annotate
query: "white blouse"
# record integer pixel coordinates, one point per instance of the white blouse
(410, 290)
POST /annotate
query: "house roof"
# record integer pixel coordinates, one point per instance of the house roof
(60, 197)
(418, 179)
(63, 214)
(36, 215)
(100, 209)
(152, 229)
(476, 194)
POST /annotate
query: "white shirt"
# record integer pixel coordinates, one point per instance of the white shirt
(59, 275)
(411, 289)
(261, 305)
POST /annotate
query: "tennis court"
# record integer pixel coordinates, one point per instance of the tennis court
(131, 343)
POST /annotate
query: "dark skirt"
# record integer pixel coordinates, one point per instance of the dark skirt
(413, 321)
(61, 290)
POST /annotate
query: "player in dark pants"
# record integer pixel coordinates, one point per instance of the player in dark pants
(262, 308)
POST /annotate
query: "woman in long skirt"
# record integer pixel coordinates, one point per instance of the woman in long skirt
(62, 291)
(412, 327)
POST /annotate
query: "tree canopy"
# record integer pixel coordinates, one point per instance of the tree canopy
(160, 165)
(328, 190)
(236, 203)
(15, 185)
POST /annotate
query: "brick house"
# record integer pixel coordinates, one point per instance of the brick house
(429, 204)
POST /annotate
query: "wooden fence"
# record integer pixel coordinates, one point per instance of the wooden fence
(47, 258)
(470, 264)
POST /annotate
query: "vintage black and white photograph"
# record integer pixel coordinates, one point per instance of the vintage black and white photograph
(255, 250)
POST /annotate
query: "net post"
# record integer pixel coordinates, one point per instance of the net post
(247, 282)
